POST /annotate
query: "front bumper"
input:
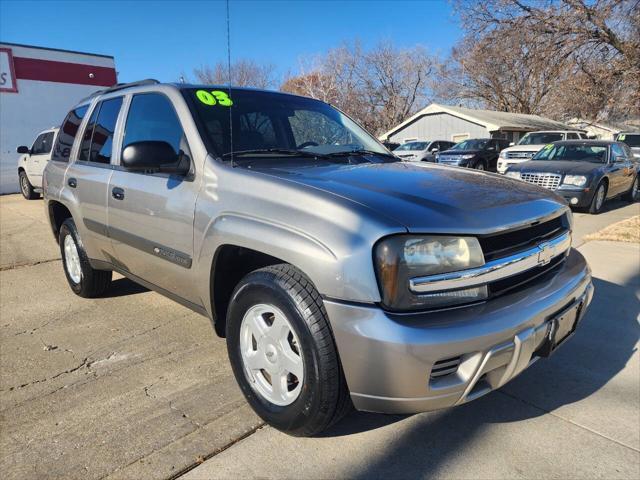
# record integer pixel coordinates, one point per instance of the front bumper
(389, 360)
(578, 197)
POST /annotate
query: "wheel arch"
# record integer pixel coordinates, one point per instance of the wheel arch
(58, 213)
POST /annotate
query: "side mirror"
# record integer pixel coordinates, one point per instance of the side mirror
(619, 159)
(435, 150)
(155, 156)
(22, 149)
(511, 144)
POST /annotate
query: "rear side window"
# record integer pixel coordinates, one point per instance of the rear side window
(67, 134)
(572, 136)
(97, 141)
(152, 117)
(43, 144)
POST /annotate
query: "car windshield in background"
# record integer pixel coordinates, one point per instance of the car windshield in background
(573, 153)
(470, 145)
(412, 146)
(275, 124)
(539, 138)
(631, 139)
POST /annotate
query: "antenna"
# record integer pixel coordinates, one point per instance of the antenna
(229, 84)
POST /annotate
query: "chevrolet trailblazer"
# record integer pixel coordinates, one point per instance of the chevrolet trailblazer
(338, 274)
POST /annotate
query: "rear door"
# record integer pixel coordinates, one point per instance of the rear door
(151, 214)
(619, 169)
(88, 176)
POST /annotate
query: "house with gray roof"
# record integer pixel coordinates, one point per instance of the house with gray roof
(445, 122)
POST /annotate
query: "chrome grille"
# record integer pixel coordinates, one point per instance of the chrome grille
(525, 155)
(546, 180)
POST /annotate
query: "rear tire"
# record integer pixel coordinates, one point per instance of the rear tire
(633, 195)
(82, 278)
(267, 302)
(26, 188)
(599, 197)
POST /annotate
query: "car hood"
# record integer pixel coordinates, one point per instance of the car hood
(523, 148)
(427, 197)
(409, 152)
(552, 166)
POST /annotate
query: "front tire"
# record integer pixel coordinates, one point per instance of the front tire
(598, 199)
(82, 278)
(282, 351)
(26, 188)
(633, 195)
(480, 166)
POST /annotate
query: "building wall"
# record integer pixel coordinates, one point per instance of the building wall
(49, 83)
(439, 126)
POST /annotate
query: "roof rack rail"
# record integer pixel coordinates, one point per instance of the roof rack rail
(120, 86)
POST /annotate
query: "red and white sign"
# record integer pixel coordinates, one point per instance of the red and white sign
(7, 72)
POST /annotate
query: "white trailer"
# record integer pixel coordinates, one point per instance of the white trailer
(38, 86)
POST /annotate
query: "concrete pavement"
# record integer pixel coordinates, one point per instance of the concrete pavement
(132, 385)
(575, 415)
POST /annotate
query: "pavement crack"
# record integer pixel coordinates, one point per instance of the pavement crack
(27, 264)
(559, 417)
(84, 364)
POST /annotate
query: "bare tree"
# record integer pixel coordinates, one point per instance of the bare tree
(380, 87)
(244, 73)
(572, 57)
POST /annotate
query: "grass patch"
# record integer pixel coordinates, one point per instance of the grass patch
(625, 231)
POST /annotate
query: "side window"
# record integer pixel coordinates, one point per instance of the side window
(38, 147)
(617, 151)
(97, 140)
(572, 136)
(47, 142)
(67, 134)
(152, 117)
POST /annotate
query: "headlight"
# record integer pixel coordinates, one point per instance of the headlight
(467, 157)
(403, 257)
(511, 174)
(503, 154)
(576, 180)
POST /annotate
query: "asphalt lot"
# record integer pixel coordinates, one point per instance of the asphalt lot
(132, 385)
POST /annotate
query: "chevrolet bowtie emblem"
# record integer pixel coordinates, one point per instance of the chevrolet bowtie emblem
(545, 254)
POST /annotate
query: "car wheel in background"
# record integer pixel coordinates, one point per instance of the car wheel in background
(282, 351)
(26, 188)
(83, 279)
(598, 199)
(633, 195)
(480, 166)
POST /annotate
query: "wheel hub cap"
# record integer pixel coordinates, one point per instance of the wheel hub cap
(271, 354)
(72, 259)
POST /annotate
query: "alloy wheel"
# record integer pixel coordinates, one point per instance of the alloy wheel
(72, 259)
(271, 354)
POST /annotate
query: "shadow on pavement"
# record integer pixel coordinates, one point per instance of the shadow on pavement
(123, 287)
(599, 350)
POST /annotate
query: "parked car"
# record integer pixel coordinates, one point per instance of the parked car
(391, 146)
(585, 173)
(422, 151)
(331, 267)
(32, 162)
(632, 139)
(531, 144)
(478, 153)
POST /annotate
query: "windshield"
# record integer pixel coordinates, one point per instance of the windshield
(412, 146)
(269, 121)
(573, 153)
(540, 138)
(470, 145)
(631, 139)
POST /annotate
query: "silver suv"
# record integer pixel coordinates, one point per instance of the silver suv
(338, 274)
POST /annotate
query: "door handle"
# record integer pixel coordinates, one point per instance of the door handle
(72, 182)
(117, 193)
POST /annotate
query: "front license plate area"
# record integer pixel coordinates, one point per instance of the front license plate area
(562, 327)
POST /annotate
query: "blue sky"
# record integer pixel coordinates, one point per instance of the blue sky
(162, 39)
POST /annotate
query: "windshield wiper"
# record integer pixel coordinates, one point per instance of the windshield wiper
(278, 151)
(360, 152)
